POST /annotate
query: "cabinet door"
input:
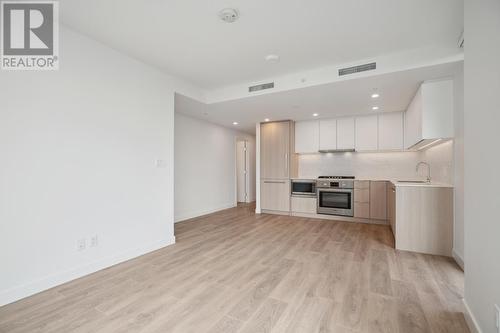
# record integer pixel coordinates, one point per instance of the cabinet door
(275, 195)
(307, 136)
(345, 133)
(303, 205)
(362, 210)
(367, 133)
(275, 150)
(390, 131)
(378, 200)
(328, 134)
(413, 121)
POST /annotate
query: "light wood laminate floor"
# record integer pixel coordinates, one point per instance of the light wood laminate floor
(234, 271)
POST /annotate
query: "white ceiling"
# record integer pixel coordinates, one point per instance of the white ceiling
(351, 97)
(185, 37)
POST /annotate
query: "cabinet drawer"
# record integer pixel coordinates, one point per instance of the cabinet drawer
(362, 195)
(362, 184)
(304, 205)
(362, 210)
(275, 195)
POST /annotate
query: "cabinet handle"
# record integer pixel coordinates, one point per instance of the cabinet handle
(286, 163)
(273, 182)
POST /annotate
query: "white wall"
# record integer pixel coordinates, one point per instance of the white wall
(205, 167)
(458, 242)
(482, 160)
(78, 149)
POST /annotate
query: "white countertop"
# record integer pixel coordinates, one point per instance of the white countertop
(394, 182)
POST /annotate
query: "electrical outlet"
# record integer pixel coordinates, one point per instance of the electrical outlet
(81, 244)
(497, 315)
(94, 241)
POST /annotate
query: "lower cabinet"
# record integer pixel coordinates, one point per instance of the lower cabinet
(304, 205)
(275, 195)
(362, 210)
(378, 200)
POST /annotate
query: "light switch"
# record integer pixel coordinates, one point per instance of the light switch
(161, 163)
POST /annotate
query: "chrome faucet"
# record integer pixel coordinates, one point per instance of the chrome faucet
(428, 170)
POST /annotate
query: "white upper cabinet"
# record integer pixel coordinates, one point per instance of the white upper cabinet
(367, 133)
(307, 136)
(390, 131)
(345, 133)
(430, 114)
(327, 134)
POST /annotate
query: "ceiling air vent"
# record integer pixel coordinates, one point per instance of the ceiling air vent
(261, 87)
(357, 69)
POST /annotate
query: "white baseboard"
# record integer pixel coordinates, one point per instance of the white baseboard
(34, 287)
(470, 319)
(194, 214)
(458, 259)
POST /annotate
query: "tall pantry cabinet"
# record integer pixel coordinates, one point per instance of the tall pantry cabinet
(278, 164)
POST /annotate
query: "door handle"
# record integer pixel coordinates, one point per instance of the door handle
(273, 182)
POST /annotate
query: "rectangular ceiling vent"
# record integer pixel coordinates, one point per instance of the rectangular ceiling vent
(358, 69)
(261, 87)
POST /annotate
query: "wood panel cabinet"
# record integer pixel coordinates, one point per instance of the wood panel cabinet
(367, 133)
(345, 133)
(378, 200)
(304, 205)
(275, 195)
(275, 155)
(390, 131)
(328, 134)
(307, 136)
(423, 219)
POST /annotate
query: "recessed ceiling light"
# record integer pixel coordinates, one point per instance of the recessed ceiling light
(273, 58)
(267, 119)
(315, 114)
(375, 95)
(235, 123)
(375, 108)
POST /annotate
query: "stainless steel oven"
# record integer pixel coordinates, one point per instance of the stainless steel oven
(335, 197)
(304, 187)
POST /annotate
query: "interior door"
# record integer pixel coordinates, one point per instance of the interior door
(241, 171)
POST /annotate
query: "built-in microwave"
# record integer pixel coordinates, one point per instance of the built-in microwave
(304, 187)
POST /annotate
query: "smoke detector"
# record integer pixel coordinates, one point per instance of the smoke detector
(229, 15)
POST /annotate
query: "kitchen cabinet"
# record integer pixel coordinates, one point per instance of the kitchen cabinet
(277, 165)
(345, 133)
(275, 195)
(366, 133)
(390, 131)
(303, 205)
(362, 199)
(307, 136)
(275, 154)
(422, 218)
(429, 116)
(378, 200)
(328, 134)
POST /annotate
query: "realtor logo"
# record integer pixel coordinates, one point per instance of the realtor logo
(29, 35)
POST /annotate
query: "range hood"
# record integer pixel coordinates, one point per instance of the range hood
(425, 143)
(350, 150)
